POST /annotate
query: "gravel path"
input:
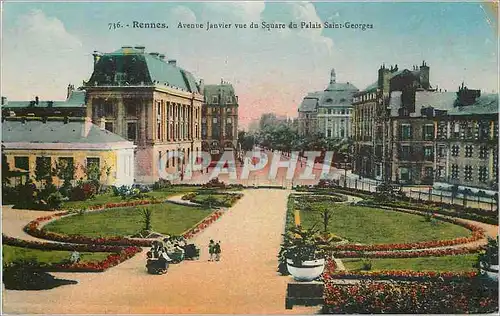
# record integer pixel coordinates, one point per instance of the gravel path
(244, 281)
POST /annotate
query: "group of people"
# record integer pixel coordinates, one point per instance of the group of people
(214, 250)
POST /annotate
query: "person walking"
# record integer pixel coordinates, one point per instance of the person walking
(211, 246)
(217, 251)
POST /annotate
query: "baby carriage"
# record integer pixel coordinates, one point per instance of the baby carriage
(191, 252)
(158, 261)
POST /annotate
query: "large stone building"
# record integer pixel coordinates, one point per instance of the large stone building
(219, 126)
(73, 106)
(328, 112)
(29, 142)
(373, 118)
(467, 143)
(148, 100)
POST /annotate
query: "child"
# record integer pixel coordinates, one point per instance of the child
(217, 251)
(211, 246)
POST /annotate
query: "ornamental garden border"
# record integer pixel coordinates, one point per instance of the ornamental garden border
(117, 256)
(477, 234)
(35, 228)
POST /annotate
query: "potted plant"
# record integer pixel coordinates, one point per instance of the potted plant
(305, 259)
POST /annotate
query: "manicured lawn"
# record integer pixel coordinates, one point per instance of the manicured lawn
(167, 218)
(110, 198)
(376, 226)
(446, 263)
(12, 253)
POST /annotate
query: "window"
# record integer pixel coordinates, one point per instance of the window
(405, 153)
(65, 168)
(468, 151)
(329, 111)
(342, 112)
(131, 131)
(214, 120)
(108, 126)
(441, 151)
(130, 108)
(429, 153)
(468, 173)
(404, 174)
(43, 166)
(454, 171)
(229, 120)
(429, 172)
(405, 132)
(93, 161)
(204, 120)
(108, 109)
(329, 133)
(158, 130)
(229, 99)
(455, 150)
(484, 130)
(22, 163)
(456, 131)
(168, 159)
(440, 172)
(215, 99)
(483, 152)
(428, 132)
(483, 174)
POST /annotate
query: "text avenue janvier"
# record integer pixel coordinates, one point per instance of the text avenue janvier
(275, 25)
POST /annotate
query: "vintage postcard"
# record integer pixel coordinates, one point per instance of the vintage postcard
(232, 157)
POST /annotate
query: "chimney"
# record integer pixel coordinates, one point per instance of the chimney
(96, 56)
(4, 101)
(154, 54)
(424, 75)
(172, 62)
(161, 56)
(71, 88)
(141, 49)
(37, 100)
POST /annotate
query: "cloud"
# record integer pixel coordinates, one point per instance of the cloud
(41, 54)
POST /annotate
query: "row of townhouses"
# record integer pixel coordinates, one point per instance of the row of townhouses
(134, 110)
(406, 131)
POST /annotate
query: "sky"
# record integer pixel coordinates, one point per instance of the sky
(48, 45)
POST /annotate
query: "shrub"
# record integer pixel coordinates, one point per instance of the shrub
(366, 265)
(162, 184)
(54, 201)
(44, 194)
(84, 191)
(215, 183)
(66, 189)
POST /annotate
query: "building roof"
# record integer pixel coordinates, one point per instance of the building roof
(57, 131)
(76, 99)
(310, 101)
(338, 94)
(218, 89)
(485, 104)
(131, 67)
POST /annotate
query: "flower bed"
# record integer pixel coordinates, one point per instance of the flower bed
(203, 224)
(34, 228)
(11, 241)
(410, 297)
(406, 254)
(401, 275)
(477, 234)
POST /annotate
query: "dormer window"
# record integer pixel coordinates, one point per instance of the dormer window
(329, 100)
(215, 99)
(229, 99)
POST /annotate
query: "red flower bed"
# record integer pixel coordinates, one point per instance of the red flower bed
(203, 224)
(477, 234)
(407, 254)
(97, 266)
(406, 275)
(368, 297)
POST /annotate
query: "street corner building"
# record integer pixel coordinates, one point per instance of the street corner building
(220, 120)
(150, 101)
(28, 143)
(408, 132)
(328, 112)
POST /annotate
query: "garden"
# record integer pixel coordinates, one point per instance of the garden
(213, 198)
(377, 243)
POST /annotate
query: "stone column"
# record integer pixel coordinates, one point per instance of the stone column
(120, 117)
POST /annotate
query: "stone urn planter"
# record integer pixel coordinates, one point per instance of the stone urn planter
(305, 271)
(489, 270)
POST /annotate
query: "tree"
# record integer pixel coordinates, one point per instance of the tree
(43, 169)
(147, 215)
(5, 171)
(326, 214)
